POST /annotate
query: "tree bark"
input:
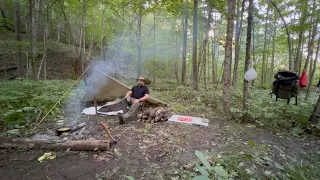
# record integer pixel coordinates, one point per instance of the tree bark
(247, 61)
(139, 37)
(34, 39)
(297, 63)
(184, 48)
(227, 60)
(312, 73)
(263, 80)
(310, 45)
(81, 145)
(205, 50)
(102, 31)
(315, 116)
(213, 65)
(17, 17)
(273, 51)
(288, 36)
(237, 45)
(194, 46)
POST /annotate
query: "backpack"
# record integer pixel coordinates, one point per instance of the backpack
(286, 85)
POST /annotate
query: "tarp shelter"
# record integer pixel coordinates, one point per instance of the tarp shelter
(110, 88)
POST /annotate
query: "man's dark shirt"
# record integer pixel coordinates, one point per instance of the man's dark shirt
(139, 91)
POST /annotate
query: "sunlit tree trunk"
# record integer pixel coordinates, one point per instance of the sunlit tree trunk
(205, 50)
(194, 46)
(247, 61)
(139, 38)
(299, 53)
(312, 73)
(273, 50)
(184, 49)
(213, 64)
(237, 43)
(310, 45)
(227, 60)
(263, 80)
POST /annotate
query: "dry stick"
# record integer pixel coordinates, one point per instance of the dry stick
(61, 97)
(47, 169)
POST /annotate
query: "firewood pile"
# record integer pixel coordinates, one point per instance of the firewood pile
(154, 114)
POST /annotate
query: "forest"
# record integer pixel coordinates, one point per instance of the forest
(249, 67)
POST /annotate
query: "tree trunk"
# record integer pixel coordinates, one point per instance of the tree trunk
(273, 51)
(184, 49)
(227, 60)
(288, 36)
(247, 61)
(237, 45)
(315, 116)
(34, 39)
(82, 37)
(205, 50)
(310, 45)
(139, 38)
(102, 31)
(45, 40)
(297, 63)
(263, 80)
(92, 39)
(59, 31)
(312, 73)
(213, 65)
(154, 47)
(194, 46)
(17, 21)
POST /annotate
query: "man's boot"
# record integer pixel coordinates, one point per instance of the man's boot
(122, 119)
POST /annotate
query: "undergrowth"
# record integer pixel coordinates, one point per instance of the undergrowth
(21, 101)
(257, 162)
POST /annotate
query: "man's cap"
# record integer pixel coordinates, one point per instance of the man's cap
(141, 78)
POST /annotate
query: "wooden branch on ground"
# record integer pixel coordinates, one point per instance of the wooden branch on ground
(82, 145)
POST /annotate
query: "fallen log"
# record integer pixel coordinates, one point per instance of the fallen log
(8, 68)
(81, 145)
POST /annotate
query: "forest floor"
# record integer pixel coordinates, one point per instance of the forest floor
(137, 152)
(265, 149)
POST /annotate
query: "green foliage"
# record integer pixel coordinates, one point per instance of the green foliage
(255, 163)
(22, 100)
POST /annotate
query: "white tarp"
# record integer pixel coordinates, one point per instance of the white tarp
(189, 120)
(92, 110)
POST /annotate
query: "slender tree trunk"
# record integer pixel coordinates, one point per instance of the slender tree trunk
(205, 50)
(273, 51)
(213, 65)
(139, 38)
(267, 62)
(184, 49)
(237, 44)
(92, 39)
(59, 31)
(154, 47)
(298, 54)
(227, 60)
(315, 116)
(194, 46)
(34, 39)
(247, 61)
(82, 37)
(310, 45)
(17, 28)
(102, 31)
(263, 80)
(45, 41)
(288, 35)
(312, 73)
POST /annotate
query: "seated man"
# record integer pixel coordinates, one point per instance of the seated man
(135, 98)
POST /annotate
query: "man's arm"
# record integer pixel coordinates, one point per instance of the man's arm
(145, 97)
(129, 93)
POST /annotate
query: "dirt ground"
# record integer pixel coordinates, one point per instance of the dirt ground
(146, 151)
